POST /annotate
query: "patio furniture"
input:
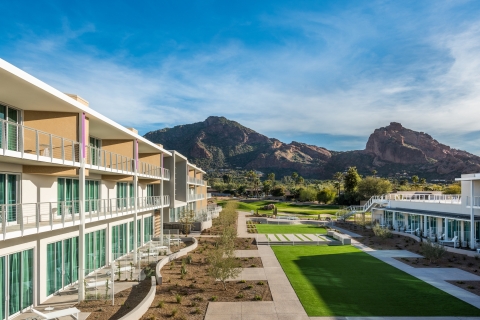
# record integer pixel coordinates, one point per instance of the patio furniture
(413, 231)
(453, 241)
(73, 312)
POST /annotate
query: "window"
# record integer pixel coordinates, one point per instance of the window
(95, 146)
(119, 241)
(68, 194)
(147, 229)
(9, 191)
(16, 274)
(122, 194)
(9, 129)
(95, 250)
(150, 193)
(92, 194)
(62, 264)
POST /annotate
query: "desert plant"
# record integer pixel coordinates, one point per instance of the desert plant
(106, 288)
(433, 251)
(131, 270)
(189, 259)
(160, 304)
(174, 312)
(257, 297)
(382, 233)
(213, 298)
(178, 298)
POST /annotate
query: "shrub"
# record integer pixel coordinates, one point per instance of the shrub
(382, 233)
(239, 296)
(260, 283)
(257, 297)
(160, 304)
(178, 298)
(213, 298)
(249, 287)
(174, 312)
(433, 251)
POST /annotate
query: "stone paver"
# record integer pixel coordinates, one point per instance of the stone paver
(242, 225)
(285, 304)
(394, 254)
(246, 253)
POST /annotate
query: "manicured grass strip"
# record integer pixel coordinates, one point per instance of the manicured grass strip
(278, 238)
(306, 237)
(288, 229)
(286, 207)
(344, 281)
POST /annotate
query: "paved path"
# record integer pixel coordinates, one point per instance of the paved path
(242, 225)
(285, 304)
(350, 233)
(434, 276)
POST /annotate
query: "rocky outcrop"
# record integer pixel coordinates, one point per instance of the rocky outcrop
(221, 143)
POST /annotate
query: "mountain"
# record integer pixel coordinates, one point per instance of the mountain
(393, 150)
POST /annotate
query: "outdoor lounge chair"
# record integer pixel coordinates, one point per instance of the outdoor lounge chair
(453, 241)
(413, 231)
(73, 312)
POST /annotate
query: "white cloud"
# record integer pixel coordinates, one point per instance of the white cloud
(315, 87)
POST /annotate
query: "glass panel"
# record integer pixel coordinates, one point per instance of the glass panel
(3, 115)
(50, 268)
(12, 134)
(76, 196)
(139, 233)
(67, 262)
(130, 236)
(27, 278)
(103, 251)
(68, 196)
(75, 265)
(12, 197)
(14, 283)
(60, 194)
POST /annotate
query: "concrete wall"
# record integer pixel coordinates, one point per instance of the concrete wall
(122, 147)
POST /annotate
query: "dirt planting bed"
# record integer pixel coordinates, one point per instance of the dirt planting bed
(187, 297)
(245, 244)
(472, 286)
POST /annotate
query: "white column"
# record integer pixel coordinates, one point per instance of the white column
(446, 229)
(394, 220)
(135, 196)
(161, 199)
(472, 219)
(462, 232)
(439, 227)
(81, 199)
(425, 226)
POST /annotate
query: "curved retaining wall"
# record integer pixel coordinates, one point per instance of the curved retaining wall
(174, 256)
(143, 306)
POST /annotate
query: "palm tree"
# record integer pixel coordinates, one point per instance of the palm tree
(374, 173)
(415, 182)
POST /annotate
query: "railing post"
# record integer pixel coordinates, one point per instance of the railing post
(63, 214)
(51, 148)
(37, 145)
(50, 215)
(21, 140)
(38, 217)
(4, 221)
(19, 213)
(63, 150)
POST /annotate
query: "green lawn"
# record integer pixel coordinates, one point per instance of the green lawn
(287, 208)
(288, 229)
(344, 281)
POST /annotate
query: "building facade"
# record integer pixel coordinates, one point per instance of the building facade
(437, 216)
(77, 190)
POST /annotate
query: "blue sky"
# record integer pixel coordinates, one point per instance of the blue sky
(323, 72)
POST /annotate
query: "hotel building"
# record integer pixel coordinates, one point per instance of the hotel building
(77, 190)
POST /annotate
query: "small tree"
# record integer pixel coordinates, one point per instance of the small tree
(223, 266)
(351, 180)
(382, 233)
(187, 218)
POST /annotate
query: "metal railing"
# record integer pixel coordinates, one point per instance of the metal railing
(436, 198)
(17, 140)
(196, 196)
(193, 180)
(149, 169)
(29, 218)
(476, 201)
(108, 161)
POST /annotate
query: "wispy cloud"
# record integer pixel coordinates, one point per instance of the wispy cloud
(329, 78)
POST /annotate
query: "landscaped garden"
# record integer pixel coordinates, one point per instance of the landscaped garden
(286, 207)
(344, 281)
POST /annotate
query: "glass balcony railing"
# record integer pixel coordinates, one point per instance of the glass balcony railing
(19, 141)
(30, 218)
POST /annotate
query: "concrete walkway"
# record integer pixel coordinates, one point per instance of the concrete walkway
(242, 225)
(285, 304)
(436, 277)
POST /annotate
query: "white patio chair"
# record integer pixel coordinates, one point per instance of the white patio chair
(73, 312)
(454, 241)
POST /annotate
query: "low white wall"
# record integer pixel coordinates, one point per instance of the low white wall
(143, 306)
(344, 239)
(174, 256)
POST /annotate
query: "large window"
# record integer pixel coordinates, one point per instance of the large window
(119, 241)
(139, 233)
(131, 237)
(95, 145)
(16, 276)
(68, 194)
(95, 250)
(9, 191)
(147, 229)
(125, 195)
(62, 264)
(9, 129)
(92, 194)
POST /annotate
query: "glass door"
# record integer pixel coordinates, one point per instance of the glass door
(68, 196)
(121, 194)
(95, 145)
(9, 130)
(9, 185)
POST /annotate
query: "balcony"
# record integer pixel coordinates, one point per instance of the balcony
(19, 141)
(99, 159)
(209, 195)
(192, 180)
(476, 202)
(195, 197)
(30, 218)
